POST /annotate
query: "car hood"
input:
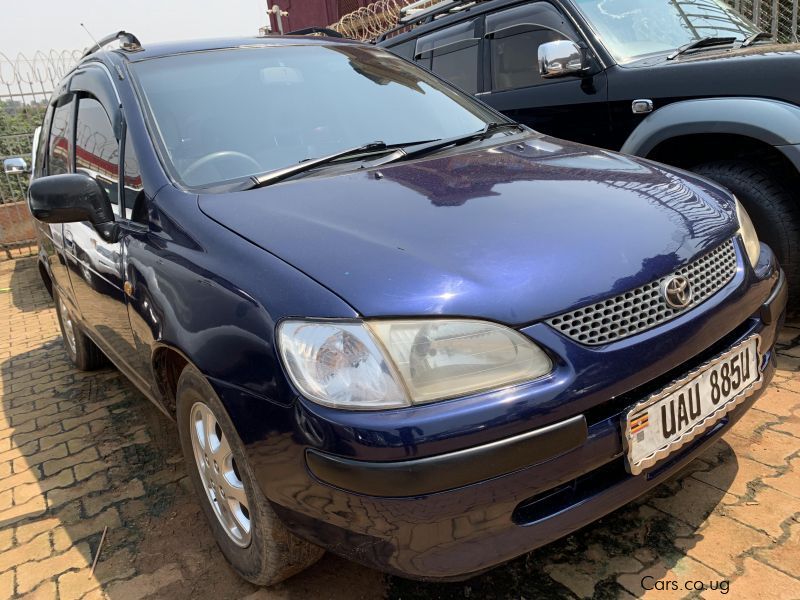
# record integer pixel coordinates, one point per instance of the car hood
(511, 233)
(762, 70)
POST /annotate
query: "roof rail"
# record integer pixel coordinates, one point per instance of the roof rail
(415, 14)
(317, 30)
(128, 42)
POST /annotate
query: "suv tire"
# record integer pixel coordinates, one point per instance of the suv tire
(774, 211)
(82, 351)
(267, 552)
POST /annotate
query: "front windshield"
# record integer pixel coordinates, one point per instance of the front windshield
(227, 114)
(630, 29)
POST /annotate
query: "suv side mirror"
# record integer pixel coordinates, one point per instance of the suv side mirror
(15, 166)
(71, 198)
(561, 58)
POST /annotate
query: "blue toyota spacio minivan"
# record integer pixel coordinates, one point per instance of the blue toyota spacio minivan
(388, 321)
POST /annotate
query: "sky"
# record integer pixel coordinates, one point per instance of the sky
(30, 25)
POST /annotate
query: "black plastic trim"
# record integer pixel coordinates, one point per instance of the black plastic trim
(447, 471)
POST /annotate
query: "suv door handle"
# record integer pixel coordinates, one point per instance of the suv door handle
(68, 239)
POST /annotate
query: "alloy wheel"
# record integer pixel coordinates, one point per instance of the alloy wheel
(220, 474)
(69, 327)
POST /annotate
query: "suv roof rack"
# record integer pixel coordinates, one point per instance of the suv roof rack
(128, 42)
(317, 31)
(423, 11)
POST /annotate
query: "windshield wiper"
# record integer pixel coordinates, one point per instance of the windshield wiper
(277, 175)
(704, 42)
(436, 145)
(750, 40)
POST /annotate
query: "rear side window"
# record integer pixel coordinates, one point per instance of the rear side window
(58, 150)
(96, 148)
(452, 53)
(514, 39)
(406, 49)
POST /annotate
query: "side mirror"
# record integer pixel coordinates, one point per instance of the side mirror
(15, 166)
(71, 198)
(561, 58)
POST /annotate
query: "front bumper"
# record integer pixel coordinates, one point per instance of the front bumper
(344, 487)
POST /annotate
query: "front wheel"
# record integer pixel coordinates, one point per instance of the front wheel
(771, 206)
(247, 530)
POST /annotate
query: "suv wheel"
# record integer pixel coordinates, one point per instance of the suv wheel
(247, 530)
(774, 211)
(82, 351)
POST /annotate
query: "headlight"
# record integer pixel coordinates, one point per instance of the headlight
(748, 233)
(393, 363)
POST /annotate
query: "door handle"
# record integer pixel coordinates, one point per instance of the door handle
(68, 239)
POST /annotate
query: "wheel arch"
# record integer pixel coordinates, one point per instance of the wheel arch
(168, 363)
(758, 122)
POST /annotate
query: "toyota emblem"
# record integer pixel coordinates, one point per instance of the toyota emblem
(677, 292)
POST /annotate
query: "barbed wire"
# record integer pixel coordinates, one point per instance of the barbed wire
(368, 22)
(33, 77)
(779, 18)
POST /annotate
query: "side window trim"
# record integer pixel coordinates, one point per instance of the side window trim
(518, 28)
(80, 97)
(69, 133)
(447, 48)
(43, 153)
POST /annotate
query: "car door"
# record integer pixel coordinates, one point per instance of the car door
(97, 271)
(570, 107)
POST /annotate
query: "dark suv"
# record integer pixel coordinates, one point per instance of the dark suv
(688, 83)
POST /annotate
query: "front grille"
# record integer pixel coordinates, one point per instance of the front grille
(643, 308)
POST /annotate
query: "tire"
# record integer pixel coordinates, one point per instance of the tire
(771, 206)
(270, 553)
(82, 351)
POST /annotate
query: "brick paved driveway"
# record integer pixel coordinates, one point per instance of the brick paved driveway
(79, 452)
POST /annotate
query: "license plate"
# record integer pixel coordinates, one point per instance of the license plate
(669, 419)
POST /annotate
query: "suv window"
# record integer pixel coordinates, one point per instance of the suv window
(96, 148)
(452, 53)
(514, 39)
(58, 150)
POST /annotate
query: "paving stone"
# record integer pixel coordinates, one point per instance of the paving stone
(784, 556)
(36, 549)
(762, 582)
(693, 502)
(720, 541)
(145, 585)
(768, 511)
(31, 574)
(734, 475)
(76, 584)
(670, 580)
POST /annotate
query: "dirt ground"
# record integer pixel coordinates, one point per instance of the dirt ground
(81, 452)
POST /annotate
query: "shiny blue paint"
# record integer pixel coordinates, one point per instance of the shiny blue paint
(513, 230)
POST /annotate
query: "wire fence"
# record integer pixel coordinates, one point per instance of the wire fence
(26, 84)
(779, 18)
(776, 17)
